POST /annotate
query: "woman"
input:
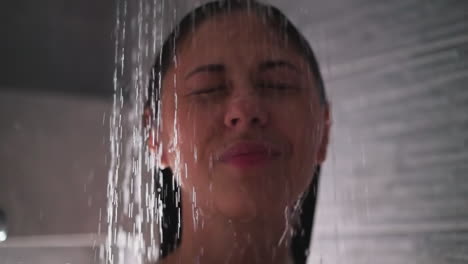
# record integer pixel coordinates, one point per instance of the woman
(238, 121)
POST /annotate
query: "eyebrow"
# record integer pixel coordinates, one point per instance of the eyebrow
(264, 66)
(206, 68)
(271, 64)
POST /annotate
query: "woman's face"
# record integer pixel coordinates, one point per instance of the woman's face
(243, 127)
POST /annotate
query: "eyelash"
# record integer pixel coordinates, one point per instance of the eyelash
(220, 88)
(210, 90)
(276, 86)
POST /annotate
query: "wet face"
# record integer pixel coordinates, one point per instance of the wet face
(243, 126)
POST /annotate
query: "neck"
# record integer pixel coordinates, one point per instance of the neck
(218, 239)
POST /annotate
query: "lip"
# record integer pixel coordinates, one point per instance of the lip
(249, 153)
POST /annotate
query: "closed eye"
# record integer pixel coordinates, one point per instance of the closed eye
(275, 85)
(211, 90)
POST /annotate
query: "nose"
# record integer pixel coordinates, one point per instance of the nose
(246, 111)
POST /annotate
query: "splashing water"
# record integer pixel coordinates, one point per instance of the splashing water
(131, 210)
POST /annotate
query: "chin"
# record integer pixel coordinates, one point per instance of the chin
(243, 207)
(236, 205)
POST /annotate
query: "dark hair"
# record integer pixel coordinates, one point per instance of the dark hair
(168, 191)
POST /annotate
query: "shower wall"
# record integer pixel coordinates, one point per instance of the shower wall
(53, 155)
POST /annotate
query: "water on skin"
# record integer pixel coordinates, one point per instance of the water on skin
(134, 210)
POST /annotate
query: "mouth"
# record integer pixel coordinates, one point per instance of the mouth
(249, 153)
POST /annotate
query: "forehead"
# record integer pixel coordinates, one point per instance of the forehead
(238, 33)
(239, 25)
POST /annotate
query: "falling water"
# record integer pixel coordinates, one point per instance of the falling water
(131, 217)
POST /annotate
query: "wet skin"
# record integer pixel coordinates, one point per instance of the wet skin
(236, 81)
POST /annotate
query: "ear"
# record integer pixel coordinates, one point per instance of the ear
(322, 152)
(154, 141)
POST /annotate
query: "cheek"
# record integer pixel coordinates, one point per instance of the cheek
(194, 127)
(196, 133)
(300, 132)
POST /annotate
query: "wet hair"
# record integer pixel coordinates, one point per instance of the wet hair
(169, 192)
